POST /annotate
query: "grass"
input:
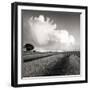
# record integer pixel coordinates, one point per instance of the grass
(50, 64)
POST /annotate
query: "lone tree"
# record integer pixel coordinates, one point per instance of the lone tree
(28, 47)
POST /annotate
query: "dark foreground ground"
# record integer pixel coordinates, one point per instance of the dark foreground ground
(50, 64)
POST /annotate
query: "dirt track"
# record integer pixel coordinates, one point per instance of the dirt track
(52, 65)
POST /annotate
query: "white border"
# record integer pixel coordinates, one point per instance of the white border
(82, 48)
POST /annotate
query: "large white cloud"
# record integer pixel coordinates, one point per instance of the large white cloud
(43, 31)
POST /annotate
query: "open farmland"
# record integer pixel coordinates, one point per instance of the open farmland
(50, 63)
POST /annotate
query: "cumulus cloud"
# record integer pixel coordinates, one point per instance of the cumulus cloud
(44, 31)
(64, 37)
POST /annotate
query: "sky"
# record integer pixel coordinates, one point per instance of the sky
(51, 30)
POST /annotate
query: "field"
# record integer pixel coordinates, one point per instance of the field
(50, 63)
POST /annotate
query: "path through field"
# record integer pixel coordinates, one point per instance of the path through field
(54, 64)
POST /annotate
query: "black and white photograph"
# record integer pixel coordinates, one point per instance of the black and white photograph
(50, 44)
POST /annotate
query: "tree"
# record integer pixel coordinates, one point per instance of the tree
(29, 47)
